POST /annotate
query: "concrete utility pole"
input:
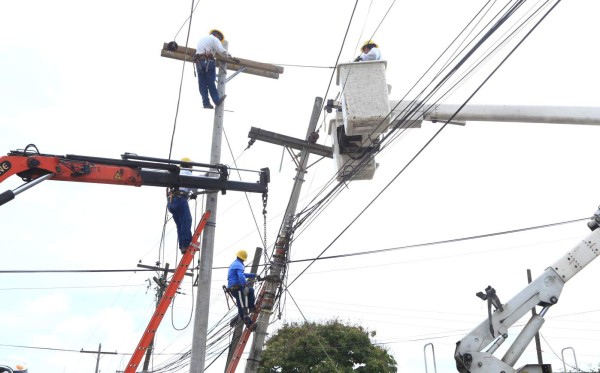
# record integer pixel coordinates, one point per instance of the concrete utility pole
(273, 278)
(172, 50)
(198, 357)
(99, 353)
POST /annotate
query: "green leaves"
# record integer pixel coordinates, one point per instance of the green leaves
(325, 348)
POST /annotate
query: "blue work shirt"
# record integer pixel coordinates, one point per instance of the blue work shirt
(236, 275)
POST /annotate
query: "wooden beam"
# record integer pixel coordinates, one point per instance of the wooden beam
(290, 142)
(251, 67)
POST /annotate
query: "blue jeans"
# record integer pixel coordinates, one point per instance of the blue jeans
(244, 301)
(207, 75)
(179, 207)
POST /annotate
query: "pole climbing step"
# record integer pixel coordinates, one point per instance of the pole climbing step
(168, 296)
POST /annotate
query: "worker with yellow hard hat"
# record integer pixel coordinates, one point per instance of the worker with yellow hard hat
(370, 52)
(178, 206)
(208, 47)
(241, 290)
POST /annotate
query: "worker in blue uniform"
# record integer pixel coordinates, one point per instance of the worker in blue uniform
(178, 206)
(240, 288)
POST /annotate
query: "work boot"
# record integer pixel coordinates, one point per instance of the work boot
(208, 106)
(221, 100)
(252, 326)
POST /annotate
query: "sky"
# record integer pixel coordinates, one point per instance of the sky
(88, 79)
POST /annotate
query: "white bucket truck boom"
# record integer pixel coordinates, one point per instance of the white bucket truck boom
(475, 352)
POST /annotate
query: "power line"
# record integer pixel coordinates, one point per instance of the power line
(453, 240)
(413, 110)
(369, 252)
(341, 49)
(74, 287)
(181, 82)
(59, 349)
(74, 270)
(478, 44)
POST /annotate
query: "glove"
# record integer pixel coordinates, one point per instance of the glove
(357, 59)
(193, 196)
(258, 278)
(246, 290)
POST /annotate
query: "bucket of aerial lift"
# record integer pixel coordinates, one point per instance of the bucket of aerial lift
(353, 156)
(365, 97)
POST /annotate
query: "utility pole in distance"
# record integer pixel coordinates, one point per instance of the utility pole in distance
(99, 352)
(162, 285)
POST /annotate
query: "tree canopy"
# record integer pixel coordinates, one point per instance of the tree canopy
(325, 348)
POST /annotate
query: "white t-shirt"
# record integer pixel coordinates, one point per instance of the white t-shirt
(209, 44)
(373, 55)
(185, 171)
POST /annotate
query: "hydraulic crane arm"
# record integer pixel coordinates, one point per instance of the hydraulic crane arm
(544, 291)
(132, 170)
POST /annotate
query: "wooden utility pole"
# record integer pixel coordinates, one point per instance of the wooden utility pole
(266, 70)
(98, 354)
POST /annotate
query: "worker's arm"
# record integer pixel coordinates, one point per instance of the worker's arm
(219, 48)
(372, 55)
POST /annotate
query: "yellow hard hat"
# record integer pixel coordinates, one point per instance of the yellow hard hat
(369, 42)
(242, 254)
(186, 159)
(222, 38)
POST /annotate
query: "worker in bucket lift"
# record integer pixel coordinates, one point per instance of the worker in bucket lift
(241, 290)
(209, 46)
(178, 206)
(370, 52)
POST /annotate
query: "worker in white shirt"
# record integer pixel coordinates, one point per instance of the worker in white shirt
(370, 52)
(208, 47)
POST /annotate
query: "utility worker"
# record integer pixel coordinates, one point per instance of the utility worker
(240, 289)
(370, 52)
(179, 207)
(207, 48)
